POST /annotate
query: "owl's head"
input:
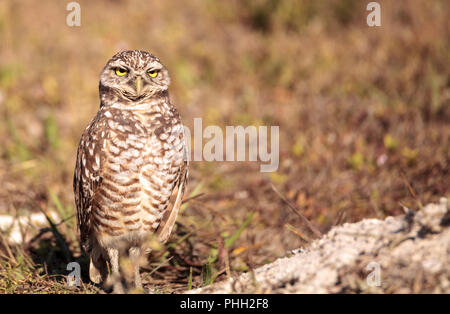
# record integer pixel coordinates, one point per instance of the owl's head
(133, 76)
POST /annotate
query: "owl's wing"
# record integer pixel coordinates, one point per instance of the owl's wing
(87, 177)
(170, 217)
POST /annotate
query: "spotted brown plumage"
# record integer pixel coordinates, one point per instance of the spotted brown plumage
(130, 160)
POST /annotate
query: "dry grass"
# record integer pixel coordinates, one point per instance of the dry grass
(363, 113)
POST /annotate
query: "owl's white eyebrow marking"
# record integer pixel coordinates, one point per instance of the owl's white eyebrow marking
(154, 65)
(154, 68)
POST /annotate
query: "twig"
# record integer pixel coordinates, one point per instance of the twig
(410, 188)
(212, 209)
(166, 262)
(302, 236)
(316, 231)
(192, 198)
(339, 217)
(227, 265)
(8, 249)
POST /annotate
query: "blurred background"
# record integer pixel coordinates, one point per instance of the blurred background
(363, 113)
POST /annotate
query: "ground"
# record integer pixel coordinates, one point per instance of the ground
(403, 254)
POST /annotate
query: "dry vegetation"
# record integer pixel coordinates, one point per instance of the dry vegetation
(363, 113)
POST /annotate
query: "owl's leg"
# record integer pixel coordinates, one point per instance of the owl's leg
(115, 278)
(98, 271)
(135, 255)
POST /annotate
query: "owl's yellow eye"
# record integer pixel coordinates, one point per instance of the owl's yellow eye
(152, 73)
(121, 72)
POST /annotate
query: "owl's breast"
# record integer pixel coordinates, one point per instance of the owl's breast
(164, 157)
(141, 167)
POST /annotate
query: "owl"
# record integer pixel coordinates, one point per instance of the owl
(131, 168)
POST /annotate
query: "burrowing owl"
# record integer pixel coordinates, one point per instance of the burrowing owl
(131, 158)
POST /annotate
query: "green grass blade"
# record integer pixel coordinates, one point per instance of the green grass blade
(230, 241)
(190, 279)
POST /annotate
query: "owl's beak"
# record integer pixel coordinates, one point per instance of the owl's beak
(138, 86)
